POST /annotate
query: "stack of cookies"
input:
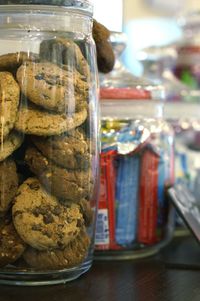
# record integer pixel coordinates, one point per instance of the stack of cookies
(46, 174)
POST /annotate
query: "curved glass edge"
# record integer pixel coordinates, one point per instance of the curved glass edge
(75, 3)
(85, 7)
(44, 18)
(145, 251)
(59, 277)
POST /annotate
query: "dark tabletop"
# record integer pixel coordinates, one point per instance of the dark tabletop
(172, 275)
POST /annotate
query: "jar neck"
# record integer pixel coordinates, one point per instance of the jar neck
(45, 18)
(131, 109)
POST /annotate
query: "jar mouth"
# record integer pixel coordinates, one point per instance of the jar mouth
(84, 6)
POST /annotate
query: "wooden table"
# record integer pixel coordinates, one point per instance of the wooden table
(164, 277)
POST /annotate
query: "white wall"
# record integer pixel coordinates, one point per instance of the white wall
(135, 9)
(109, 13)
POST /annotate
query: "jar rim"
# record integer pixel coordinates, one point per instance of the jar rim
(81, 5)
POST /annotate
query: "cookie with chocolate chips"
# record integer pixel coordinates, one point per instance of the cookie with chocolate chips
(65, 184)
(9, 102)
(87, 212)
(12, 142)
(32, 120)
(70, 150)
(11, 245)
(62, 51)
(8, 184)
(41, 221)
(52, 87)
(12, 61)
(72, 255)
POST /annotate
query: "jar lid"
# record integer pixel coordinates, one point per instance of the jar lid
(120, 83)
(47, 2)
(124, 85)
(136, 91)
(81, 4)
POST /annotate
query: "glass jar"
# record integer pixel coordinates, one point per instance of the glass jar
(188, 62)
(49, 141)
(158, 66)
(185, 120)
(137, 161)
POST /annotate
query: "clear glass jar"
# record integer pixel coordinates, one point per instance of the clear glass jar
(185, 120)
(158, 66)
(137, 163)
(188, 66)
(49, 153)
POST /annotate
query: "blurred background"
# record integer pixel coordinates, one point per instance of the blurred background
(146, 23)
(160, 42)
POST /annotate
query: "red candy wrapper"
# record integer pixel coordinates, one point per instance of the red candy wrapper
(105, 230)
(148, 198)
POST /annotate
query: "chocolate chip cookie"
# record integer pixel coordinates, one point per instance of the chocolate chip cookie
(11, 245)
(70, 150)
(53, 88)
(86, 211)
(8, 184)
(33, 121)
(9, 101)
(41, 221)
(12, 142)
(72, 255)
(63, 51)
(11, 61)
(65, 184)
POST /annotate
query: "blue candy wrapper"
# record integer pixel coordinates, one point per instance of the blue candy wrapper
(131, 138)
(127, 199)
(182, 168)
(162, 174)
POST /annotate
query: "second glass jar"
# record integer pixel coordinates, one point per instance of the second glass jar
(137, 166)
